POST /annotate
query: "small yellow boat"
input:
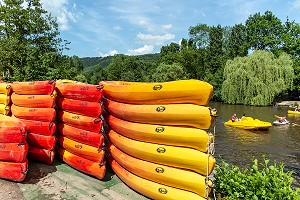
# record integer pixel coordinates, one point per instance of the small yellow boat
(293, 112)
(249, 123)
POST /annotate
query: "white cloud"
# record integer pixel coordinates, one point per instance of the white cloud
(154, 39)
(110, 53)
(242, 9)
(60, 10)
(144, 15)
(140, 51)
(296, 4)
(166, 26)
(117, 28)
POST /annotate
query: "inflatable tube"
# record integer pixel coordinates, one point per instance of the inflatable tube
(4, 109)
(87, 108)
(79, 91)
(33, 101)
(179, 157)
(89, 167)
(79, 135)
(166, 114)
(12, 132)
(13, 171)
(170, 176)
(80, 121)
(5, 88)
(151, 189)
(181, 91)
(13, 152)
(169, 135)
(82, 150)
(37, 114)
(41, 141)
(39, 127)
(4, 99)
(34, 87)
(42, 155)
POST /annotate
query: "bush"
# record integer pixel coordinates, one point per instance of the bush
(270, 182)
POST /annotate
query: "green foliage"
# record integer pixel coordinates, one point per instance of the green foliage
(200, 35)
(263, 31)
(30, 48)
(296, 62)
(166, 72)
(126, 68)
(290, 38)
(215, 49)
(236, 41)
(256, 79)
(262, 182)
(98, 74)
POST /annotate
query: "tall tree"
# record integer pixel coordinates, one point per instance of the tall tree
(126, 68)
(191, 60)
(200, 35)
(264, 31)
(170, 54)
(291, 45)
(215, 60)
(166, 72)
(215, 49)
(257, 78)
(29, 42)
(236, 42)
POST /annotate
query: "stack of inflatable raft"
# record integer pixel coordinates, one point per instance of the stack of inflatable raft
(13, 149)
(33, 104)
(81, 145)
(158, 143)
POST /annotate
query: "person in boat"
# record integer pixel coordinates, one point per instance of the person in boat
(234, 118)
(297, 109)
(282, 119)
(244, 115)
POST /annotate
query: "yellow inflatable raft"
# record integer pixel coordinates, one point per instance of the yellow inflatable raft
(181, 91)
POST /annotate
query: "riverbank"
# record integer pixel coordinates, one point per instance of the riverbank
(288, 103)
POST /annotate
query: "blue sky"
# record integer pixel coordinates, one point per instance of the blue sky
(135, 27)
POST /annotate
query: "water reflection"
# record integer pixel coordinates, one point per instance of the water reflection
(240, 147)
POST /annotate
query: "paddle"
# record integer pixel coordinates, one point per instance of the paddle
(294, 124)
(277, 116)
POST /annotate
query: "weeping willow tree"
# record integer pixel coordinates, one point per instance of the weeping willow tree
(257, 78)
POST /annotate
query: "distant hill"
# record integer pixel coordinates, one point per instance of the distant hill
(89, 63)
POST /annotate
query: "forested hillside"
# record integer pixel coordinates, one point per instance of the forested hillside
(90, 63)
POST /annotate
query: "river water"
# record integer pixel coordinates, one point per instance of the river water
(240, 147)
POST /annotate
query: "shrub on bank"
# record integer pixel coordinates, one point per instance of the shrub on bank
(270, 182)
